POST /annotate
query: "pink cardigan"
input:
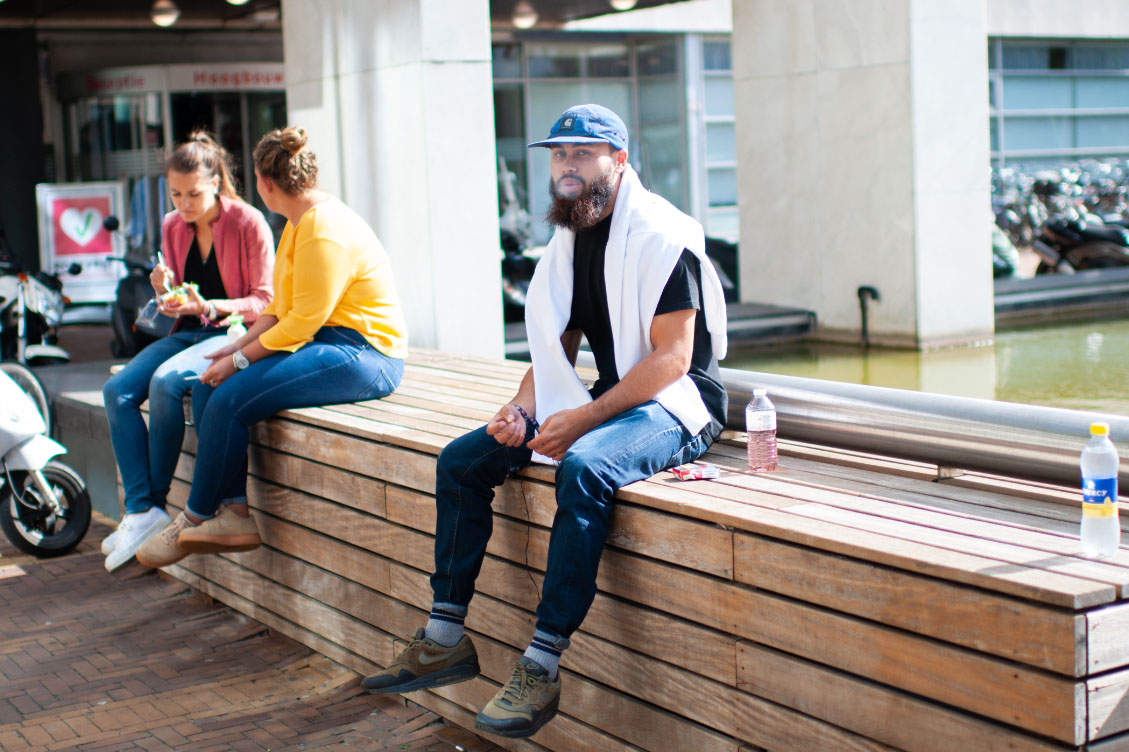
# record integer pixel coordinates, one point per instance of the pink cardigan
(242, 242)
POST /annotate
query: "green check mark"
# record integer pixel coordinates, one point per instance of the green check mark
(86, 224)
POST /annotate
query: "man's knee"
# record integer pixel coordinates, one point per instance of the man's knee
(583, 482)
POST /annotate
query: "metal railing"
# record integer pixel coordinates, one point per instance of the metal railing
(1023, 441)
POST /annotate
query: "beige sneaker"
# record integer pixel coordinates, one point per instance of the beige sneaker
(425, 663)
(527, 702)
(162, 549)
(227, 531)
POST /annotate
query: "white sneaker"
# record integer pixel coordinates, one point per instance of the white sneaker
(134, 530)
(109, 542)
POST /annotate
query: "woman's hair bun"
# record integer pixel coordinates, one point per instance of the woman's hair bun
(294, 139)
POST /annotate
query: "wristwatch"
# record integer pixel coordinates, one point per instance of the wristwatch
(240, 360)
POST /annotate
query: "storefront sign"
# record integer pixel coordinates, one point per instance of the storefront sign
(111, 81)
(71, 231)
(227, 77)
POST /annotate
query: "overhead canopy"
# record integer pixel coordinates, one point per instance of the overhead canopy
(212, 14)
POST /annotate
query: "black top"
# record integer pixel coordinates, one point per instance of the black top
(206, 275)
(682, 292)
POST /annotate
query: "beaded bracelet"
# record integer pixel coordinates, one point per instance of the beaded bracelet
(524, 414)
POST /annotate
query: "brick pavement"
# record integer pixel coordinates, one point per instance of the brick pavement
(136, 661)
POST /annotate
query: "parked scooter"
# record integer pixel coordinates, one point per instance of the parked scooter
(133, 292)
(31, 309)
(1068, 244)
(44, 505)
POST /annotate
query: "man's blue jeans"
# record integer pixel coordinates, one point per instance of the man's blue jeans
(631, 446)
(337, 366)
(147, 457)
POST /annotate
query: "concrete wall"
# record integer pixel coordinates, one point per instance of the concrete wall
(1096, 19)
(863, 160)
(398, 97)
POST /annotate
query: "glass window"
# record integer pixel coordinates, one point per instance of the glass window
(507, 60)
(1038, 93)
(1101, 92)
(1100, 57)
(994, 134)
(723, 186)
(716, 55)
(609, 61)
(721, 142)
(553, 61)
(509, 130)
(1039, 133)
(1034, 57)
(659, 101)
(1093, 132)
(719, 96)
(657, 58)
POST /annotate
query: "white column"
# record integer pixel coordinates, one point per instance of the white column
(863, 159)
(398, 97)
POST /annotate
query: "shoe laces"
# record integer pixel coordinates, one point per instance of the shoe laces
(171, 532)
(521, 681)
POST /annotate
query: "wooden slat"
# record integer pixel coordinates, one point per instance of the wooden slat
(1107, 643)
(1008, 627)
(1108, 698)
(898, 719)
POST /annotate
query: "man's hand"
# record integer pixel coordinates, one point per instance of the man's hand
(507, 427)
(559, 431)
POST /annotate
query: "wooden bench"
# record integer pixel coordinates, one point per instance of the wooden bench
(845, 602)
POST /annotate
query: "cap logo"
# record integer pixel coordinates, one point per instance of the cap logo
(566, 124)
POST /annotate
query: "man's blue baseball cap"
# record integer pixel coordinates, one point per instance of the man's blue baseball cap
(587, 124)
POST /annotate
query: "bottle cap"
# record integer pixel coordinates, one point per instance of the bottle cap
(1099, 429)
(760, 392)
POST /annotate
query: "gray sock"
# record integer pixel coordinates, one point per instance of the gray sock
(545, 657)
(444, 627)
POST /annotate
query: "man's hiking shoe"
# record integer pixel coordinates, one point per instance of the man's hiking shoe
(526, 703)
(425, 663)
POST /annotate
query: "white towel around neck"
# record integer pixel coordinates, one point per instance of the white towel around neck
(645, 241)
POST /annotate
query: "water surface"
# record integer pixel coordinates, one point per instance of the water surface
(1084, 366)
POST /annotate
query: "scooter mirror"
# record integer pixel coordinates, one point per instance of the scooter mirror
(111, 223)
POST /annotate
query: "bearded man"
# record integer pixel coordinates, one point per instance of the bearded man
(627, 271)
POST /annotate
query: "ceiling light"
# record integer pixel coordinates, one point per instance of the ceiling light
(617, 4)
(525, 15)
(164, 13)
(237, 2)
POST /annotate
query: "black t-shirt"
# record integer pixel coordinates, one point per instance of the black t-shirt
(682, 293)
(206, 275)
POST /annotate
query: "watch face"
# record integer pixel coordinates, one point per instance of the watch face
(240, 360)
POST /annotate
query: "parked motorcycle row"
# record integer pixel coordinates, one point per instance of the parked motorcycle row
(1074, 218)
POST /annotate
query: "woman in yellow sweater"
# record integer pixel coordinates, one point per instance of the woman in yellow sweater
(334, 333)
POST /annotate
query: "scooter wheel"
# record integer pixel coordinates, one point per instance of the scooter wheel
(31, 524)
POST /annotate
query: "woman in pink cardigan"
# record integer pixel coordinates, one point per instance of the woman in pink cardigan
(223, 245)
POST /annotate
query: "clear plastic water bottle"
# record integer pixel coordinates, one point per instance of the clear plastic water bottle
(235, 328)
(1101, 531)
(760, 422)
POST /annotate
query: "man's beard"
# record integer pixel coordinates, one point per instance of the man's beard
(583, 211)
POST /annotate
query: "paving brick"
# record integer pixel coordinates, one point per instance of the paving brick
(137, 662)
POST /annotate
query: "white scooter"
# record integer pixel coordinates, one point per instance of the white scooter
(44, 505)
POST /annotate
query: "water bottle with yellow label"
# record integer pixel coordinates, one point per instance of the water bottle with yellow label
(1101, 531)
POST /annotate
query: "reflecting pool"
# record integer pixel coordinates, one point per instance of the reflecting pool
(1083, 366)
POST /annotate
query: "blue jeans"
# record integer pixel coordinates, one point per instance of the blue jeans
(147, 457)
(337, 366)
(634, 445)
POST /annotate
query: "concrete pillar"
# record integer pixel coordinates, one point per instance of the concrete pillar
(863, 159)
(398, 97)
